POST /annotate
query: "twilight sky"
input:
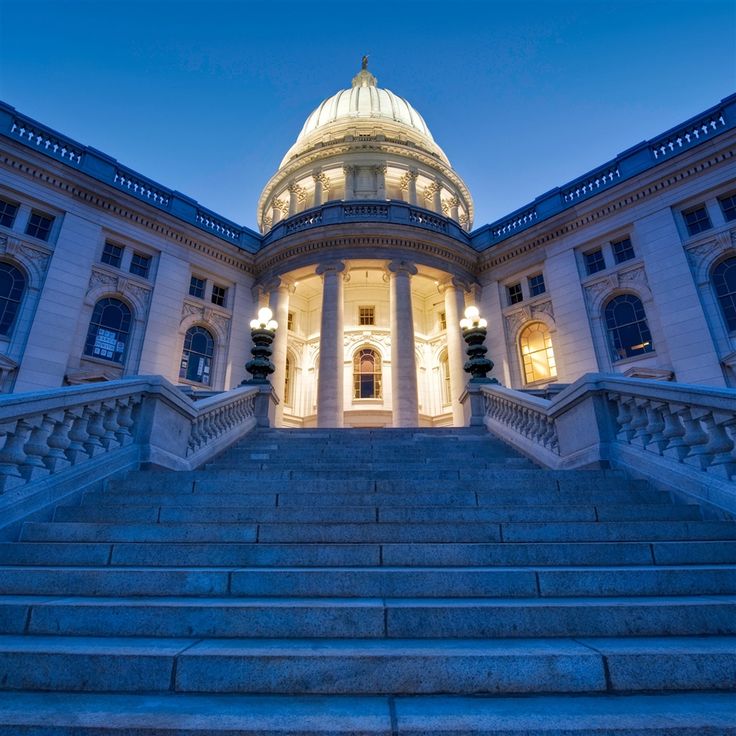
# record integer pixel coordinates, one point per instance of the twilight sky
(206, 97)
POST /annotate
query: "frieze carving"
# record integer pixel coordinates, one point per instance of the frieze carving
(27, 254)
(528, 313)
(208, 315)
(103, 281)
(702, 252)
(633, 278)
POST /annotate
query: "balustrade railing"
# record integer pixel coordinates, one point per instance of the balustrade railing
(679, 436)
(92, 431)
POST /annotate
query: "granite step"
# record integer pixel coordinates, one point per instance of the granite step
(85, 714)
(505, 554)
(381, 532)
(370, 582)
(368, 666)
(400, 618)
(362, 514)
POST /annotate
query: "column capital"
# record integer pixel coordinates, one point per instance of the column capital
(330, 266)
(453, 282)
(407, 267)
(279, 282)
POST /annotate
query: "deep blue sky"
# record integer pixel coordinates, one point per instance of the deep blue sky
(206, 97)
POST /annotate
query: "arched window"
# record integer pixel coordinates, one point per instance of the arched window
(724, 282)
(196, 358)
(12, 286)
(445, 378)
(289, 381)
(537, 354)
(367, 374)
(628, 331)
(109, 330)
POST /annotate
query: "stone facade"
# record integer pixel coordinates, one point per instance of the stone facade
(367, 257)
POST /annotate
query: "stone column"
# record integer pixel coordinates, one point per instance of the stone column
(413, 186)
(454, 203)
(453, 292)
(317, 176)
(437, 197)
(279, 303)
(278, 210)
(331, 352)
(294, 190)
(403, 358)
(380, 172)
(349, 172)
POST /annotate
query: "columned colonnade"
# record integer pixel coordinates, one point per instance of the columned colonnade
(330, 379)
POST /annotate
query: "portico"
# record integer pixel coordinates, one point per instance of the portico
(366, 342)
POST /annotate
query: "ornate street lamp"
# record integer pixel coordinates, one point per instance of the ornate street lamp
(262, 332)
(474, 334)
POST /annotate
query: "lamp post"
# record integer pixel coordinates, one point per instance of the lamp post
(262, 330)
(474, 334)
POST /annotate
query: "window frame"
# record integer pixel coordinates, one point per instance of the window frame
(647, 345)
(729, 323)
(8, 203)
(548, 349)
(514, 293)
(148, 261)
(731, 207)
(219, 299)
(209, 367)
(594, 257)
(38, 228)
(5, 301)
(699, 222)
(377, 374)
(192, 279)
(90, 346)
(105, 253)
(370, 314)
(532, 285)
(627, 251)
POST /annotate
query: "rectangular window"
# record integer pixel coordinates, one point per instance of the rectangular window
(112, 254)
(536, 285)
(728, 205)
(140, 265)
(696, 220)
(219, 295)
(39, 225)
(623, 250)
(514, 293)
(197, 286)
(8, 211)
(443, 320)
(290, 321)
(366, 315)
(594, 261)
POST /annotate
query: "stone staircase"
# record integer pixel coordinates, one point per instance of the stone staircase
(397, 582)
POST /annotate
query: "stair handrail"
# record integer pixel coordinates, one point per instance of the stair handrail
(679, 436)
(61, 439)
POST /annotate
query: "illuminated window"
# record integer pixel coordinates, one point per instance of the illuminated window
(445, 378)
(196, 358)
(367, 374)
(289, 382)
(628, 331)
(109, 329)
(366, 315)
(12, 286)
(724, 282)
(537, 354)
(290, 321)
(443, 320)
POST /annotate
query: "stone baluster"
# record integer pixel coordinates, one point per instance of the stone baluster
(37, 448)
(125, 421)
(13, 456)
(694, 438)
(95, 430)
(403, 355)
(331, 352)
(58, 441)
(715, 455)
(673, 434)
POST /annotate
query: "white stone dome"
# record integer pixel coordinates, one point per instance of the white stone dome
(364, 100)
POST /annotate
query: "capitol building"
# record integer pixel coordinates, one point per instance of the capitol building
(368, 253)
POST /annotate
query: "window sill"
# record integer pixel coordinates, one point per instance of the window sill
(103, 361)
(368, 402)
(633, 358)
